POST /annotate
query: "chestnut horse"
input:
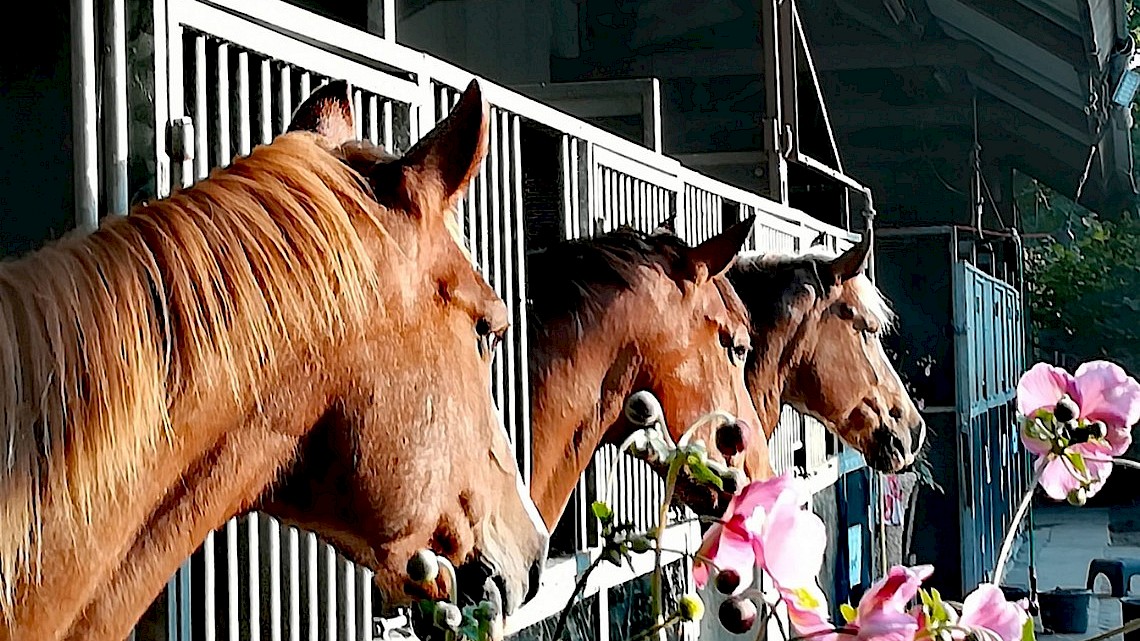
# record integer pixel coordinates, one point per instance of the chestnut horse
(817, 321)
(299, 332)
(628, 311)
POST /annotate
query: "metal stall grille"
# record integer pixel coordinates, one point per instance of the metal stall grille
(990, 356)
(493, 227)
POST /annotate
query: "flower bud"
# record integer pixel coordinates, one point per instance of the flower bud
(690, 607)
(643, 409)
(1078, 497)
(732, 438)
(640, 544)
(1097, 429)
(423, 567)
(1066, 410)
(727, 580)
(1078, 434)
(738, 614)
(733, 480)
(448, 616)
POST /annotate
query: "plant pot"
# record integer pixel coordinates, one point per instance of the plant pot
(1014, 594)
(1130, 611)
(1065, 610)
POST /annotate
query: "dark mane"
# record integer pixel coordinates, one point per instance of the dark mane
(577, 279)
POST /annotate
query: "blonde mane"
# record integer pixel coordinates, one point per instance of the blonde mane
(98, 335)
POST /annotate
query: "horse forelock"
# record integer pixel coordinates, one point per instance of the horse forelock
(100, 334)
(866, 292)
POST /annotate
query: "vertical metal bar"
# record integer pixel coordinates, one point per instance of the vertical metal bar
(306, 87)
(357, 114)
(286, 97)
(373, 124)
(266, 102)
(252, 522)
(232, 576)
(274, 580)
(225, 153)
(201, 119)
(311, 553)
(84, 115)
(389, 141)
(366, 579)
(330, 591)
(493, 237)
(209, 583)
(518, 232)
(115, 92)
(349, 601)
(243, 89)
(294, 584)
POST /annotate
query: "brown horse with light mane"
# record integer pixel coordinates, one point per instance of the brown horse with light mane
(300, 332)
(816, 326)
(628, 311)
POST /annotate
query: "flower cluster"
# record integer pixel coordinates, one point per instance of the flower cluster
(767, 528)
(1076, 424)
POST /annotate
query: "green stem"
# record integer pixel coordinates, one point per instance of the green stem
(1134, 624)
(658, 627)
(662, 516)
(564, 617)
(1007, 544)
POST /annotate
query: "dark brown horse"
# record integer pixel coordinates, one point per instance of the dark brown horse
(299, 332)
(816, 326)
(628, 311)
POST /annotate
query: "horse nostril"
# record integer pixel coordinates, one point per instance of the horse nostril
(534, 580)
(732, 438)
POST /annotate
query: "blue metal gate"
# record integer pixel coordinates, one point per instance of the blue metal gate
(993, 472)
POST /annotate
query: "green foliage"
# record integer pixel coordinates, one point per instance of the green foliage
(1082, 281)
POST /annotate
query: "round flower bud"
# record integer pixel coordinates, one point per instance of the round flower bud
(448, 616)
(731, 438)
(643, 409)
(1097, 429)
(727, 580)
(423, 567)
(1066, 410)
(738, 614)
(690, 607)
(733, 480)
(1078, 497)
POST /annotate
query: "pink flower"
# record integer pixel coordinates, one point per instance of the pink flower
(764, 526)
(807, 612)
(1103, 392)
(882, 613)
(986, 607)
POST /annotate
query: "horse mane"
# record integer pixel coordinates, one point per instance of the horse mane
(776, 277)
(100, 334)
(577, 279)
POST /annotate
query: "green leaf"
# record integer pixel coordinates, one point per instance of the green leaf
(1078, 462)
(701, 473)
(602, 511)
(1027, 633)
(848, 612)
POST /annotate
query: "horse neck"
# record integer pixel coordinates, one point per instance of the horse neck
(579, 379)
(779, 352)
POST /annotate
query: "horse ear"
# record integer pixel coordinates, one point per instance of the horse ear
(328, 112)
(854, 261)
(714, 256)
(668, 225)
(450, 155)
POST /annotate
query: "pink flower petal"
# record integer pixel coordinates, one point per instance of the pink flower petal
(1042, 386)
(793, 543)
(1057, 480)
(807, 611)
(727, 549)
(1098, 462)
(986, 607)
(893, 591)
(760, 494)
(883, 625)
(1108, 394)
(1035, 446)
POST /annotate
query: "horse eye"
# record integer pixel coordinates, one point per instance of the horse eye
(846, 312)
(737, 354)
